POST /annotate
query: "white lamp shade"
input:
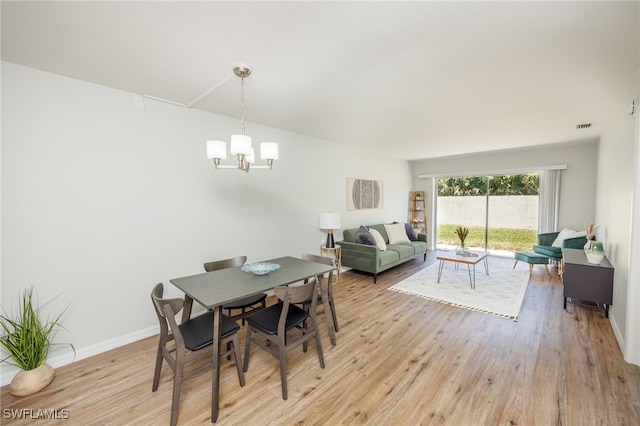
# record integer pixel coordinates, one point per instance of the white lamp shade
(216, 149)
(329, 221)
(240, 144)
(268, 151)
(251, 156)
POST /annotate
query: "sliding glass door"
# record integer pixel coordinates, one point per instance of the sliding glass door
(501, 212)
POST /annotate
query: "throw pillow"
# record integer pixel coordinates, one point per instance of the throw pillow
(396, 233)
(364, 236)
(578, 234)
(380, 243)
(567, 233)
(561, 236)
(412, 234)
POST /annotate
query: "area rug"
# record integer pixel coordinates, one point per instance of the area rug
(501, 293)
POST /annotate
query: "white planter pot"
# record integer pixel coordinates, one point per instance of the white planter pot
(594, 251)
(29, 382)
(595, 258)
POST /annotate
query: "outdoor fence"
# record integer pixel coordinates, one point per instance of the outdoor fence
(505, 211)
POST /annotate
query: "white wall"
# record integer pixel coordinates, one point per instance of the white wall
(619, 173)
(578, 192)
(632, 337)
(100, 201)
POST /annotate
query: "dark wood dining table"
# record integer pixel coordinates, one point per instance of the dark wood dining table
(216, 288)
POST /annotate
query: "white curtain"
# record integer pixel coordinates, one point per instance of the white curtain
(549, 200)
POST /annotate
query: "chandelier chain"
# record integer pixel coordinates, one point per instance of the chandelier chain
(242, 101)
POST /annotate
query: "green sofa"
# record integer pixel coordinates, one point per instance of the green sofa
(369, 258)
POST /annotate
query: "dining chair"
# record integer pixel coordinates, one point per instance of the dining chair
(272, 328)
(246, 305)
(329, 284)
(188, 338)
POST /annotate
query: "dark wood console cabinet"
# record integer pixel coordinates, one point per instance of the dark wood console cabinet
(585, 281)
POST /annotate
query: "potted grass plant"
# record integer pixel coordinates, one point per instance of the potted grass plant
(25, 340)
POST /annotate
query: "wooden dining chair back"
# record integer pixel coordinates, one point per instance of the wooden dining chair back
(226, 263)
(272, 328)
(328, 282)
(246, 305)
(178, 343)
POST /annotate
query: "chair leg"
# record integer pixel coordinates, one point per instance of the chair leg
(305, 344)
(515, 263)
(283, 367)
(158, 370)
(247, 349)
(177, 386)
(318, 345)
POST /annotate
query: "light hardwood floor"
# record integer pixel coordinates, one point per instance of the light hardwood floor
(400, 360)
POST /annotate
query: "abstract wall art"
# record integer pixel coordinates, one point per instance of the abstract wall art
(364, 194)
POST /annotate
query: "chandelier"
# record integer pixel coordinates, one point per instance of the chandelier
(241, 144)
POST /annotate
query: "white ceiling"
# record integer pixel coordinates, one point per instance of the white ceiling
(409, 79)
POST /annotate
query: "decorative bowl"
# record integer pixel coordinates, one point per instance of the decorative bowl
(260, 268)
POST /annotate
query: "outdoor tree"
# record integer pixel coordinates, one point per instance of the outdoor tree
(524, 184)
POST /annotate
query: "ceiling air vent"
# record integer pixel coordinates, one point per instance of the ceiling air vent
(583, 126)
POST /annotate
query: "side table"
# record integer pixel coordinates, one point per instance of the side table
(585, 281)
(336, 254)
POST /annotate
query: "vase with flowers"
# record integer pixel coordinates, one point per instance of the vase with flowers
(462, 249)
(593, 249)
(590, 230)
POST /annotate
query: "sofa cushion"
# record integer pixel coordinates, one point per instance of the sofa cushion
(412, 234)
(387, 257)
(364, 237)
(380, 228)
(418, 246)
(349, 235)
(404, 250)
(396, 233)
(380, 242)
(553, 252)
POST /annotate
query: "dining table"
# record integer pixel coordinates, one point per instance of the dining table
(216, 288)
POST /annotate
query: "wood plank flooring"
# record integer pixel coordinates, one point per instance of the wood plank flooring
(400, 360)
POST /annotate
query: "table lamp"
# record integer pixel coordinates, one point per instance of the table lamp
(330, 221)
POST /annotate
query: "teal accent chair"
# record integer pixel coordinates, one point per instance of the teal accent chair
(545, 241)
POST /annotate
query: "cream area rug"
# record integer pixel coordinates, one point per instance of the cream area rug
(501, 293)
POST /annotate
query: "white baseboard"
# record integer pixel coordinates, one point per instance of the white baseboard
(616, 330)
(59, 359)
